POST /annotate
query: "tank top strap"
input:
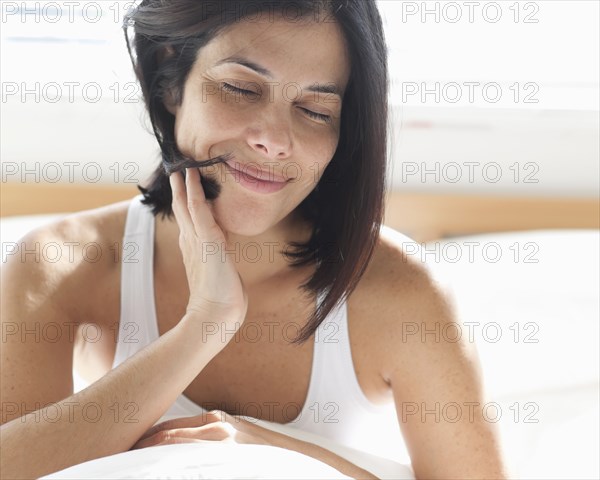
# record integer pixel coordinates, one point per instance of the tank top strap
(138, 324)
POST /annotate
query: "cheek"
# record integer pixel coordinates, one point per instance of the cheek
(322, 154)
(187, 126)
(198, 120)
(183, 136)
(225, 111)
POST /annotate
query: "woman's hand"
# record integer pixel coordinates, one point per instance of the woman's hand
(214, 282)
(220, 426)
(211, 426)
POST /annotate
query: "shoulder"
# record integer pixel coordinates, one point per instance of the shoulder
(397, 273)
(400, 298)
(85, 238)
(64, 262)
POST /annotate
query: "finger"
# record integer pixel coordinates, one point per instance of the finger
(181, 440)
(155, 441)
(216, 431)
(201, 215)
(167, 425)
(215, 416)
(179, 195)
(193, 185)
(185, 422)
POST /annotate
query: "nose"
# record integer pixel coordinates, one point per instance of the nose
(271, 134)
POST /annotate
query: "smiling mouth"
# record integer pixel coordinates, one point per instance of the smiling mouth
(254, 184)
(251, 173)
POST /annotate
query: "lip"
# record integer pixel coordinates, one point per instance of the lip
(252, 171)
(252, 183)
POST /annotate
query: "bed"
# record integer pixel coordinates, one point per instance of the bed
(524, 275)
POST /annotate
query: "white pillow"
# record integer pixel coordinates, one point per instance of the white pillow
(217, 460)
(202, 460)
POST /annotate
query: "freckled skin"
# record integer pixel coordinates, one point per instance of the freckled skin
(270, 127)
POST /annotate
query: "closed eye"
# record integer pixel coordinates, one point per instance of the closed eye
(230, 88)
(240, 91)
(317, 116)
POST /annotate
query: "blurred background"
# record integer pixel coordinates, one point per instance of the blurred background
(504, 94)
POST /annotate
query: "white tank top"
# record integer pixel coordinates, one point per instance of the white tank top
(335, 406)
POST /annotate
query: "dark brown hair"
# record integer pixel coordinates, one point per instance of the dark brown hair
(346, 207)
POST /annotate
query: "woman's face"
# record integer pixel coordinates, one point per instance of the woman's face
(281, 126)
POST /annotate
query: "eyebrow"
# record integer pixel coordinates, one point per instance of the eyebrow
(316, 87)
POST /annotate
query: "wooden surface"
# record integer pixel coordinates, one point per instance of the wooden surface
(39, 198)
(422, 217)
(427, 217)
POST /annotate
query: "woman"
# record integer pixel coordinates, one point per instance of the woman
(276, 112)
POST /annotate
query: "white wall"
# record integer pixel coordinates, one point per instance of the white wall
(504, 152)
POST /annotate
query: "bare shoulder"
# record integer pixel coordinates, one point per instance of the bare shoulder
(395, 269)
(86, 238)
(69, 259)
(397, 299)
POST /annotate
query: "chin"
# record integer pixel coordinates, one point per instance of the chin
(243, 230)
(243, 221)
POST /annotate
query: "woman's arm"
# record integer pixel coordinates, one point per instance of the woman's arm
(107, 417)
(111, 414)
(434, 375)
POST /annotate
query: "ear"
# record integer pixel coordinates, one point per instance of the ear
(168, 100)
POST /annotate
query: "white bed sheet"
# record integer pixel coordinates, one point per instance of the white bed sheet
(543, 371)
(540, 353)
(547, 308)
(231, 461)
(192, 460)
